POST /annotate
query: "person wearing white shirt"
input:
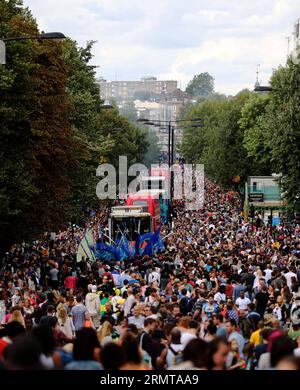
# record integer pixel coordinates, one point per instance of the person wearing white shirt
(242, 302)
(220, 295)
(175, 347)
(154, 276)
(268, 273)
(289, 276)
(130, 300)
(188, 336)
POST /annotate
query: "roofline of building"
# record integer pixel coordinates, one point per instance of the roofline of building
(262, 177)
(135, 81)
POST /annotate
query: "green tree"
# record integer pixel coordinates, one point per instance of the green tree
(151, 140)
(272, 129)
(256, 134)
(129, 140)
(84, 96)
(152, 154)
(283, 122)
(128, 110)
(104, 135)
(53, 133)
(202, 85)
(36, 139)
(219, 144)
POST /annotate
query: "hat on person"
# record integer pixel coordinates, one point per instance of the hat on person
(94, 289)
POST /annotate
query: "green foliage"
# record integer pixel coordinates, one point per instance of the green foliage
(128, 110)
(152, 154)
(83, 94)
(104, 134)
(150, 140)
(53, 133)
(283, 122)
(36, 139)
(272, 129)
(255, 131)
(251, 134)
(219, 143)
(201, 86)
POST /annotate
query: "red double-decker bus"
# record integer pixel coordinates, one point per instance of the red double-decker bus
(145, 198)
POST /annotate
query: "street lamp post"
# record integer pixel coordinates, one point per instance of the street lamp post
(154, 122)
(42, 36)
(169, 143)
(172, 160)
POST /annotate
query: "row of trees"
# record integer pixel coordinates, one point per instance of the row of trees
(251, 134)
(218, 144)
(53, 132)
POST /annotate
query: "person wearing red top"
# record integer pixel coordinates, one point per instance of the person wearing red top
(3, 343)
(33, 302)
(229, 290)
(192, 283)
(70, 282)
(12, 329)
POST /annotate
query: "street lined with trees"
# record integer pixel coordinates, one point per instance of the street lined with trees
(143, 280)
(250, 134)
(53, 132)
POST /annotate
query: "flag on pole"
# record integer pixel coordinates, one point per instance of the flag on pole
(87, 246)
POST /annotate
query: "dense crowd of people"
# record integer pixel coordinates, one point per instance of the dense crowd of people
(223, 295)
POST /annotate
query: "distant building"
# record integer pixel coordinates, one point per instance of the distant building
(156, 100)
(165, 108)
(131, 90)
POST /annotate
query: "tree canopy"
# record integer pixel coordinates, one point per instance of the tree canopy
(251, 134)
(272, 129)
(202, 85)
(219, 143)
(53, 132)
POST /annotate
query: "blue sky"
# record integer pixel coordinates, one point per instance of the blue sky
(175, 39)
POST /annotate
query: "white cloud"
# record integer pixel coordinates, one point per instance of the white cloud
(232, 61)
(177, 38)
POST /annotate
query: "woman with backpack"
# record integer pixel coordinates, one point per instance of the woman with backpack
(172, 349)
(175, 349)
